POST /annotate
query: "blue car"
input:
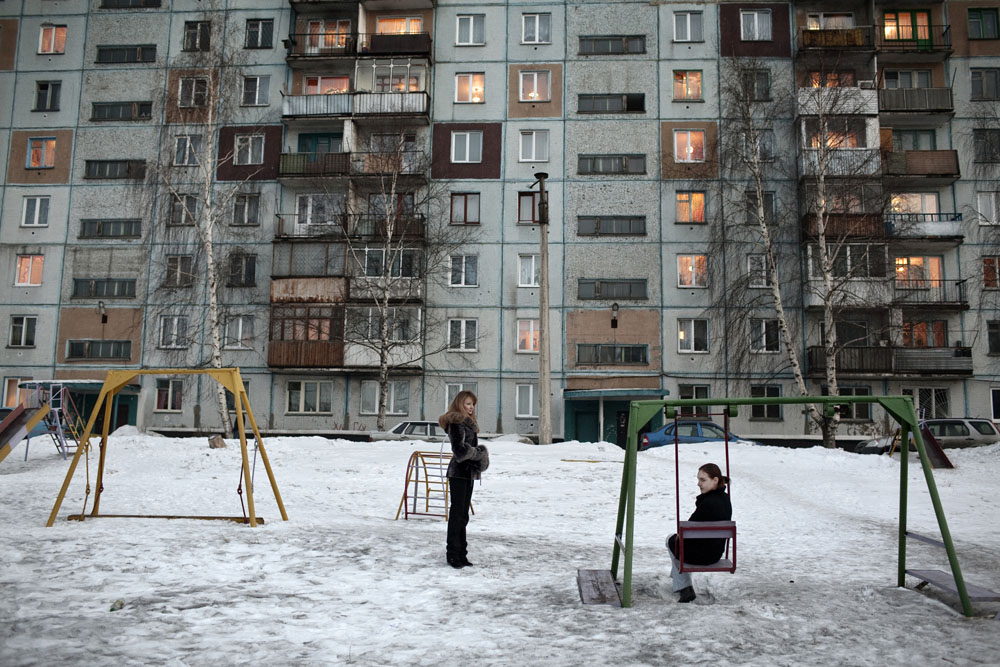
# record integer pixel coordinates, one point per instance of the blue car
(692, 430)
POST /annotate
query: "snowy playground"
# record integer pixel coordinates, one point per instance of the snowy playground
(342, 582)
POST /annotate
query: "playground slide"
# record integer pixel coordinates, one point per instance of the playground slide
(934, 451)
(17, 425)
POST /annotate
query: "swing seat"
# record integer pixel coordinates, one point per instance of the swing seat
(694, 530)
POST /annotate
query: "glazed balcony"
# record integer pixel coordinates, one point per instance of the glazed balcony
(902, 107)
(886, 360)
(920, 168)
(860, 38)
(839, 162)
(930, 293)
(320, 45)
(359, 104)
(912, 43)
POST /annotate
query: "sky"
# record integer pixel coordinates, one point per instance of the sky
(344, 583)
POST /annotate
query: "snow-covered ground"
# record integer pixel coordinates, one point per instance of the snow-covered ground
(341, 582)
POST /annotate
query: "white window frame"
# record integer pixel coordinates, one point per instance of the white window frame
(473, 78)
(532, 391)
(174, 386)
(685, 19)
(242, 209)
(190, 101)
(189, 213)
(690, 151)
(534, 146)
(53, 40)
(451, 390)
(186, 150)
(248, 149)
(688, 92)
(259, 32)
(238, 332)
(24, 329)
(754, 19)
(538, 19)
(988, 205)
(40, 205)
(759, 329)
(535, 202)
(261, 91)
(469, 21)
(691, 204)
(686, 335)
(468, 334)
(532, 263)
(691, 271)
(173, 331)
(461, 263)
(30, 259)
(531, 328)
(758, 275)
(466, 139)
(320, 385)
(391, 408)
(533, 76)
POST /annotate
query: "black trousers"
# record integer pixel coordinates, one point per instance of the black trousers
(458, 516)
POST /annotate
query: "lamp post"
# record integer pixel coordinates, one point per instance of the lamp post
(544, 364)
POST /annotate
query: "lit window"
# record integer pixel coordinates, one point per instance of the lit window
(527, 336)
(52, 39)
(470, 88)
(535, 86)
(41, 153)
(687, 85)
(29, 270)
(692, 271)
(327, 85)
(689, 145)
(690, 207)
(991, 272)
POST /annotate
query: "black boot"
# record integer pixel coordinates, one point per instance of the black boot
(465, 562)
(455, 562)
(687, 594)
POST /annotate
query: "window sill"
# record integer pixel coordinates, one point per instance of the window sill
(167, 412)
(34, 285)
(767, 419)
(463, 286)
(692, 287)
(310, 414)
(692, 352)
(526, 352)
(536, 43)
(535, 101)
(20, 347)
(470, 44)
(463, 224)
(691, 222)
(686, 101)
(470, 102)
(36, 227)
(462, 351)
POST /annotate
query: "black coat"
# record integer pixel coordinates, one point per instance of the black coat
(711, 506)
(467, 454)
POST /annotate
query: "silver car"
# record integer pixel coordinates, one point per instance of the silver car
(962, 432)
(411, 430)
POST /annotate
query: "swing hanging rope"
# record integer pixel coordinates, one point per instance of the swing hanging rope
(253, 472)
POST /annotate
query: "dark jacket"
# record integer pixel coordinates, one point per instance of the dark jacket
(711, 506)
(469, 458)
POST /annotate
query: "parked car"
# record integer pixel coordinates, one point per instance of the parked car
(39, 430)
(949, 433)
(692, 430)
(411, 430)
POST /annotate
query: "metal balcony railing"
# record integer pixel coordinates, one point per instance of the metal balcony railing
(921, 225)
(374, 225)
(314, 164)
(358, 103)
(922, 291)
(402, 163)
(936, 164)
(839, 162)
(332, 44)
(888, 360)
(915, 99)
(860, 37)
(354, 225)
(913, 38)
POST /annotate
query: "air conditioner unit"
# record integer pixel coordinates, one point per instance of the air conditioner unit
(867, 84)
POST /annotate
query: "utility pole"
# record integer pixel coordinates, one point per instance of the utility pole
(544, 363)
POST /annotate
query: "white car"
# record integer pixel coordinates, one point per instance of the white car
(415, 430)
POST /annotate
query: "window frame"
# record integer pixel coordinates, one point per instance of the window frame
(757, 15)
(690, 151)
(249, 149)
(186, 150)
(626, 42)
(46, 152)
(636, 225)
(532, 400)
(466, 199)
(241, 202)
(461, 270)
(473, 79)
(191, 100)
(691, 206)
(25, 329)
(245, 326)
(472, 19)
(631, 103)
(535, 75)
(688, 16)
(538, 20)
(687, 92)
(469, 136)
(991, 271)
(528, 330)
(753, 272)
(993, 204)
(40, 205)
(197, 37)
(638, 289)
(614, 351)
(767, 411)
(49, 99)
(532, 262)
(264, 38)
(592, 164)
(242, 269)
(178, 271)
(173, 333)
(687, 335)
(319, 387)
(466, 341)
(131, 54)
(392, 398)
(765, 335)
(979, 16)
(30, 265)
(533, 144)
(172, 391)
(535, 204)
(261, 90)
(698, 276)
(55, 45)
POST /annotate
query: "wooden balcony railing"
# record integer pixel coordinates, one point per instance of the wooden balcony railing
(305, 354)
(895, 360)
(861, 37)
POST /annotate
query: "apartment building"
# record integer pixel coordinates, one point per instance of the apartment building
(331, 145)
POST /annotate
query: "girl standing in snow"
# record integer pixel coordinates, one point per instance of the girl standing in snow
(712, 505)
(468, 460)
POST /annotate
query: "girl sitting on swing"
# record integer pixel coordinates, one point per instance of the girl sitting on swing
(712, 505)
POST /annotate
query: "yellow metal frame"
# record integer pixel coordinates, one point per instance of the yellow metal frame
(116, 380)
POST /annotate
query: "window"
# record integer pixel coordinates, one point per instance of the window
(536, 28)
(466, 147)
(186, 150)
(611, 289)
(309, 397)
(327, 85)
(758, 145)
(986, 145)
(22, 331)
(452, 389)
(925, 333)
(611, 164)
(913, 140)
(991, 272)
(12, 394)
(470, 88)
(249, 149)
(528, 336)
(757, 271)
(692, 271)
(465, 208)
(41, 153)
(404, 263)
(470, 30)
(179, 271)
(535, 86)
(256, 91)
(986, 84)
(930, 402)
(595, 45)
(52, 39)
(238, 332)
(839, 79)
(301, 322)
(920, 78)
(690, 206)
(121, 111)
(598, 354)
(692, 335)
(853, 333)
(687, 85)
(137, 53)
(754, 210)
(767, 411)
(403, 323)
(755, 25)
(689, 391)
(764, 336)
(463, 335)
(193, 92)
(853, 260)
(919, 272)
(183, 209)
(689, 145)
(242, 269)
(47, 95)
(260, 33)
(246, 210)
(103, 288)
(101, 228)
(611, 225)
(398, 25)
(169, 395)
(529, 270)
(983, 23)
(173, 332)
(197, 36)
(838, 133)
(115, 169)
(855, 411)
(464, 271)
(534, 146)
(527, 207)
(129, 4)
(35, 211)
(397, 401)
(829, 21)
(99, 349)
(687, 27)
(610, 103)
(526, 398)
(29, 270)
(989, 207)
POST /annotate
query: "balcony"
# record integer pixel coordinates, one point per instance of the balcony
(930, 293)
(903, 107)
(920, 168)
(316, 45)
(394, 163)
(305, 354)
(291, 226)
(846, 101)
(314, 164)
(847, 225)
(912, 43)
(357, 104)
(855, 293)
(895, 361)
(861, 38)
(839, 162)
(926, 226)
(359, 226)
(317, 106)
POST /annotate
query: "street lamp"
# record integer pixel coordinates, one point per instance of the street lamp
(544, 364)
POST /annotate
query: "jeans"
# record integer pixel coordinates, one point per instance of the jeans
(458, 516)
(682, 580)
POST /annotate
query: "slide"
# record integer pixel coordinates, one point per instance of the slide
(16, 426)
(932, 447)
